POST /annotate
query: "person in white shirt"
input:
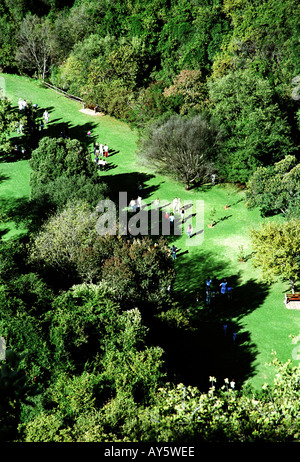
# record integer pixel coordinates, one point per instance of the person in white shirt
(46, 116)
(132, 205)
(101, 149)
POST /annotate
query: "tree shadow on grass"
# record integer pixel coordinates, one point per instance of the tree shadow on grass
(64, 128)
(194, 354)
(129, 183)
(3, 177)
(26, 213)
(3, 232)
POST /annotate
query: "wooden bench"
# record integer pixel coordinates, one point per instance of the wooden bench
(292, 298)
(91, 107)
(292, 301)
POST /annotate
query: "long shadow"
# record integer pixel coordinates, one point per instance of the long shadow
(155, 223)
(24, 143)
(134, 184)
(207, 349)
(57, 129)
(3, 177)
(219, 220)
(26, 213)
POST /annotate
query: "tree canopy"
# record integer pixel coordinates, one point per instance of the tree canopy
(212, 88)
(276, 249)
(276, 188)
(184, 148)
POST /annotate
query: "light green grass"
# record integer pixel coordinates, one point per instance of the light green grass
(262, 321)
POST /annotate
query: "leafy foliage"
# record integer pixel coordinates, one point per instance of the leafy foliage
(15, 389)
(255, 132)
(185, 148)
(156, 64)
(8, 121)
(276, 188)
(276, 249)
(55, 157)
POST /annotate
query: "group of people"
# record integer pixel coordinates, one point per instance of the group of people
(135, 204)
(101, 149)
(23, 106)
(214, 288)
(178, 208)
(101, 155)
(28, 121)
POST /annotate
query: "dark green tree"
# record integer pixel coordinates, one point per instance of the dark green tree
(15, 389)
(276, 188)
(276, 251)
(59, 157)
(255, 132)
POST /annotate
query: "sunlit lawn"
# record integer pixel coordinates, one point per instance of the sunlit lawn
(257, 313)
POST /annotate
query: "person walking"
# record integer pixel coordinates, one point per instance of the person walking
(229, 292)
(190, 231)
(105, 151)
(46, 116)
(182, 211)
(223, 287)
(175, 204)
(172, 219)
(101, 148)
(208, 282)
(132, 205)
(173, 251)
(138, 203)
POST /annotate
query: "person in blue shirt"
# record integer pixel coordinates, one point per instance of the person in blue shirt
(223, 287)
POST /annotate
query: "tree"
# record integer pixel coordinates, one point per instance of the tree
(15, 389)
(175, 413)
(182, 147)
(134, 272)
(8, 29)
(255, 133)
(276, 248)
(276, 188)
(67, 189)
(138, 273)
(34, 51)
(188, 86)
(264, 38)
(83, 318)
(149, 105)
(8, 121)
(106, 71)
(62, 240)
(22, 324)
(59, 157)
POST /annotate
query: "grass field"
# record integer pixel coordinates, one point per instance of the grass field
(257, 312)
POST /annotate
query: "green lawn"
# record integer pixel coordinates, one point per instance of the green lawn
(257, 312)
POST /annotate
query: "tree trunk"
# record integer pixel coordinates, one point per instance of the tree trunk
(292, 283)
